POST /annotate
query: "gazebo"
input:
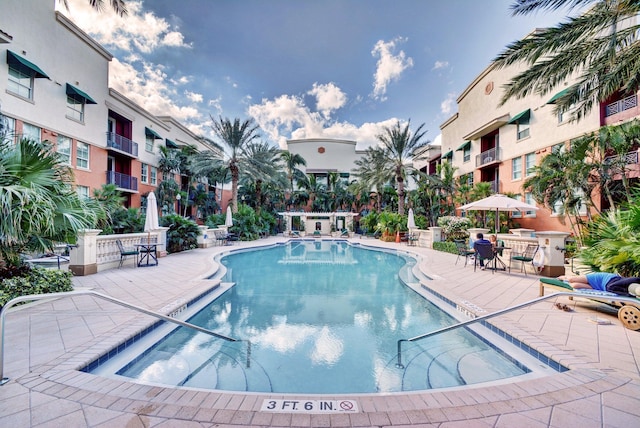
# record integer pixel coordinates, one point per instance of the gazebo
(320, 221)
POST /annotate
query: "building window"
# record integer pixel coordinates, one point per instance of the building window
(154, 175)
(517, 214)
(528, 198)
(530, 163)
(165, 175)
(82, 155)
(20, 83)
(466, 153)
(523, 129)
(31, 132)
(148, 143)
(75, 109)
(7, 128)
(516, 168)
(143, 173)
(64, 149)
(470, 179)
(83, 192)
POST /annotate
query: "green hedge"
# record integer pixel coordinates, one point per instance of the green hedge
(36, 281)
(447, 247)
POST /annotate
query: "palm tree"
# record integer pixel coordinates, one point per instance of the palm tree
(599, 47)
(400, 144)
(119, 6)
(291, 163)
(373, 171)
(262, 164)
(38, 204)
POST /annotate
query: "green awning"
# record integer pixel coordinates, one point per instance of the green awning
(449, 154)
(171, 144)
(520, 117)
(24, 65)
(464, 146)
(558, 95)
(151, 133)
(79, 95)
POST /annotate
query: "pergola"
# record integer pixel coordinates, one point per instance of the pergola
(320, 221)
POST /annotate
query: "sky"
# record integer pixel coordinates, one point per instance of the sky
(341, 69)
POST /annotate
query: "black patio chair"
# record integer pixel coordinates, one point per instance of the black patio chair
(463, 251)
(486, 253)
(126, 252)
(525, 257)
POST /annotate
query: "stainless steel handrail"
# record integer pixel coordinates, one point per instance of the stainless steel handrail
(509, 309)
(34, 297)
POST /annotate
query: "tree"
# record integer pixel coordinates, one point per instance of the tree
(399, 144)
(119, 6)
(38, 205)
(598, 47)
(262, 163)
(236, 136)
(291, 163)
(372, 172)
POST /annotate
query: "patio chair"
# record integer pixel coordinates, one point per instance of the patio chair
(221, 237)
(484, 252)
(126, 252)
(463, 251)
(525, 257)
(344, 233)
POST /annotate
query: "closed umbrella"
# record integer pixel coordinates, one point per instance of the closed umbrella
(229, 220)
(498, 203)
(151, 218)
(411, 221)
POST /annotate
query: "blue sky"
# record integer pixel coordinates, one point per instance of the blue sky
(304, 68)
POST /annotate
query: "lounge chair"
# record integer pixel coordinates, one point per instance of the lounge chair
(294, 234)
(463, 251)
(484, 252)
(628, 311)
(126, 252)
(317, 234)
(344, 233)
(525, 258)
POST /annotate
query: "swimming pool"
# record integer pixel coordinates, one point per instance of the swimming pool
(321, 317)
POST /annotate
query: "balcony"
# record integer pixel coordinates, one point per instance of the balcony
(488, 157)
(122, 181)
(621, 105)
(122, 144)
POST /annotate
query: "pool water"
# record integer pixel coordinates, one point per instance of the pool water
(321, 317)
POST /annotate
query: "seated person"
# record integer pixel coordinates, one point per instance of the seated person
(602, 281)
(480, 239)
(494, 240)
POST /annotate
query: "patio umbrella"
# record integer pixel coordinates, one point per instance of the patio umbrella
(151, 218)
(229, 220)
(411, 222)
(498, 203)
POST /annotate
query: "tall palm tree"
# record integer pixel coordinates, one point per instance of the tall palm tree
(119, 6)
(262, 164)
(372, 172)
(400, 144)
(599, 47)
(291, 163)
(236, 136)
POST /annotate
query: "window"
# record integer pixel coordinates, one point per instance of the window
(528, 198)
(31, 132)
(7, 128)
(83, 192)
(165, 175)
(82, 155)
(143, 173)
(466, 153)
(529, 163)
(523, 128)
(470, 179)
(148, 143)
(75, 109)
(154, 175)
(517, 214)
(64, 149)
(516, 168)
(20, 83)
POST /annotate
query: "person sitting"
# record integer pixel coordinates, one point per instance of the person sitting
(602, 281)
(480, 241)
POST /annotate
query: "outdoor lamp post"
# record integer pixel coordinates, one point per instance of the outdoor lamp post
(178, 197)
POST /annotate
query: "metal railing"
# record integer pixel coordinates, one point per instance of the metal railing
(488, 157)
(504, 311)
(122, 144)
(35, 297)
(122, 181)
(621, 105)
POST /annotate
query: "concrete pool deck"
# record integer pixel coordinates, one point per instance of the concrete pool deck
(46, 342)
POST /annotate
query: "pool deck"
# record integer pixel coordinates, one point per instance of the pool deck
(46, 342)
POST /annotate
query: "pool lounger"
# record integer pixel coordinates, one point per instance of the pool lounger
(628, 312)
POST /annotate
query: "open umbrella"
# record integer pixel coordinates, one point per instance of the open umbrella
(151, 218)
(498, 203)
(411, 221)
(229, 220)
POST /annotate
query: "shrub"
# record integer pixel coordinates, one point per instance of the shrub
(454, 227)
(182, 234)
(34, 281)
(447, 247)
(215, 220)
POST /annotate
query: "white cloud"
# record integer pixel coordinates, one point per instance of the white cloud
(230, 81)
(447, 106)
(440, 64)
(196, 98)
(389, 66)
(328, 98)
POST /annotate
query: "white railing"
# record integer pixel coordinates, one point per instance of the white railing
(621, 105)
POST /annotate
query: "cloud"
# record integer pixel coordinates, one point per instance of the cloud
(440, 64)
(447, 106)
(389, 66)
(328, 98)
(196, 98)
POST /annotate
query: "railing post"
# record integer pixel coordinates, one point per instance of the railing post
(84, 259)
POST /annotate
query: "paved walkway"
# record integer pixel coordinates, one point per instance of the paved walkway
(46, 342)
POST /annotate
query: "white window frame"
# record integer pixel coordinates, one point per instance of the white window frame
(82, 155)
(517, 214)
(31, 132)
(154, 175)
(529, 164)
(149, 141)
(75, 109)
(17, 83)
(82, 192)
(466, 153)
(516, 168)
(7, 128)
(63, 147)
(528, 198)
(523, 129)
(143, 173)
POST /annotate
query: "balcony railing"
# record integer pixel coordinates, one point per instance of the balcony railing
(621, 105)
(123, 144)
(490, 156)
(628, 158)
(122, 181)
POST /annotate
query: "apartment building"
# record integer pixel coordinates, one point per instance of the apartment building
(55, 80)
